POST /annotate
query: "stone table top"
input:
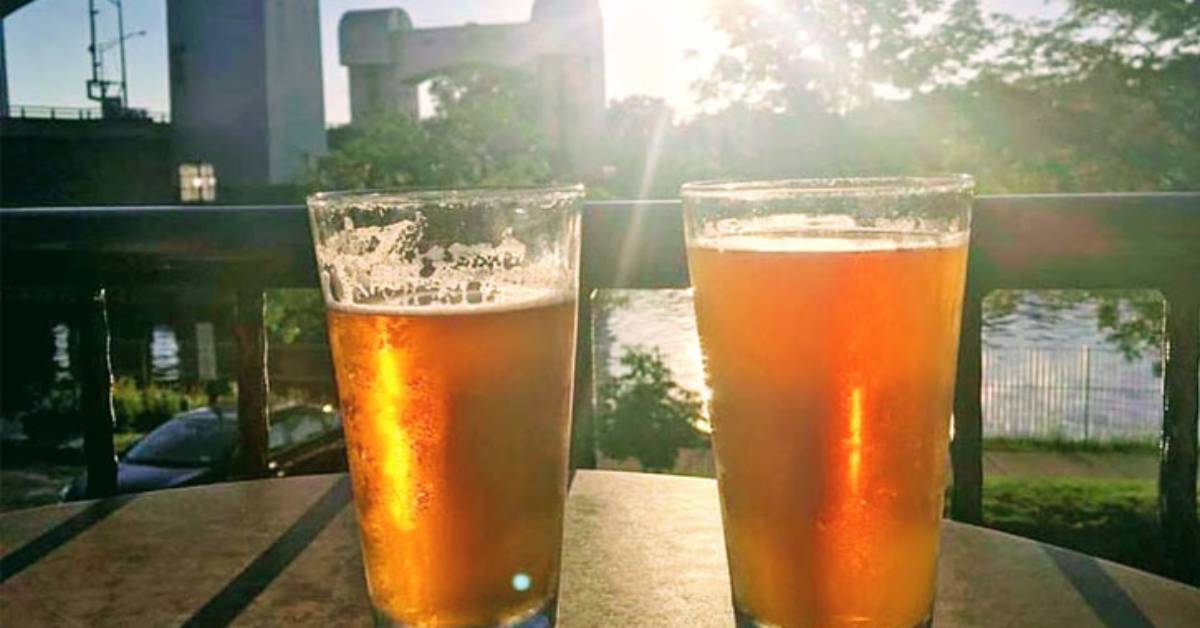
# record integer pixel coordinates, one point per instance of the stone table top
(640, 550)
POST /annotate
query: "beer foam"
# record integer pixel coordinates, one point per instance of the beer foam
(830, 242)
(800, 233)
(394, 269)
(507, 299)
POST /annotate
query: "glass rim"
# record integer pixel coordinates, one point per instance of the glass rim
(426, 194)
(733, 189)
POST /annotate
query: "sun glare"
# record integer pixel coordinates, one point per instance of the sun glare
(660, 49)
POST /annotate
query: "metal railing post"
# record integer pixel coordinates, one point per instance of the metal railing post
(1177, 467)
(966, 451)
(253, 387)
(96, 397)
(1087, 391)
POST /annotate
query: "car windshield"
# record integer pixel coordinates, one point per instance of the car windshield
(188, 441)
(301, 424)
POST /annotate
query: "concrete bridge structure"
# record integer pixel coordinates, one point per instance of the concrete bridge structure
(561, 48)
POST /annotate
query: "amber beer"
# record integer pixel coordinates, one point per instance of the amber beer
(831, 359)
(456, 426)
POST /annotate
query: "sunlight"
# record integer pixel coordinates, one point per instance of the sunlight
(396, 464)
(660, 49)
(634, 234)
(855, 442)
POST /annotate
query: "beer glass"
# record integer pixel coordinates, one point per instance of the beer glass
(451, 321)
(828, 313)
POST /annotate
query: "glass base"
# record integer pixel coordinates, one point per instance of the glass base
(540, 617)
(745, 621)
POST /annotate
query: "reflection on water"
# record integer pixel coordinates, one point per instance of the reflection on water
(62, 352)
(660, 319)
(1049, 372)
(164, 354)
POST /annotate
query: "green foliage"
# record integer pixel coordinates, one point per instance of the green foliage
(484, 131)
(1101, 98)
(123, 441)
(648, 157)
(1113, 519)
(142, 409)
(644, 414)
(54, 412)
(1065, 445)
(815, 55)
(295, 316)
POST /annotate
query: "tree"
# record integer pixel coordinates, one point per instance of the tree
(295, 315)
(484, 131)
(835, 55)
(645, 415)
(1100, 98)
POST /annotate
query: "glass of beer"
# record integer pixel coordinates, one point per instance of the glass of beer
(452, 326)
(828, 313)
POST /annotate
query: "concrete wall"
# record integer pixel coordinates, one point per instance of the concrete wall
(218, 87)
(381, 89)
(561, 47)
(3, 74)
(246, 91)
(295, 98)
(428, 51)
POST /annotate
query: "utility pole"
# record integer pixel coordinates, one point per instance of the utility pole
(96, 63)
(121, 42)
(98, 87)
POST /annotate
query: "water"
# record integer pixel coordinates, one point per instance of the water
(164, 354)
(1037, 381)
(62, 352)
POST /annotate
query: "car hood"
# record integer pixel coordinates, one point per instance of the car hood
(135, 478)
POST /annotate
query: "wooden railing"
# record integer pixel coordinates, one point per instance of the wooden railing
(1052, 241)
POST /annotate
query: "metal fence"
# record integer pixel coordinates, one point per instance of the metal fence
(1071, 393)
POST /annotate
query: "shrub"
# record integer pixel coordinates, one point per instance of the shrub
(54, 415)
(141, 410)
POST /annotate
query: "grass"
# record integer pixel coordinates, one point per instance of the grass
(1062, 445)
(1112, 519)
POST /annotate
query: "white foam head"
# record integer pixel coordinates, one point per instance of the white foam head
(798, 233)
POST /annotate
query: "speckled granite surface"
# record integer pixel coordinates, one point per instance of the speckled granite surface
(641, 550)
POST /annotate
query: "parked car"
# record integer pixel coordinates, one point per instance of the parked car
(200, 446)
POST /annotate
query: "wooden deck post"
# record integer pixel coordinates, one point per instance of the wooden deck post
(966, 450)
(1177, 467)
(96, 397)
(252, 393)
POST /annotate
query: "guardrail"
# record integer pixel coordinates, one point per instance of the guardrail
(1032, 242)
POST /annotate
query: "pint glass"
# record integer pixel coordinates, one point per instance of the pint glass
(828, 313)
(451, 320)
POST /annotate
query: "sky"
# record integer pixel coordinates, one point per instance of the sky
(652, 47)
